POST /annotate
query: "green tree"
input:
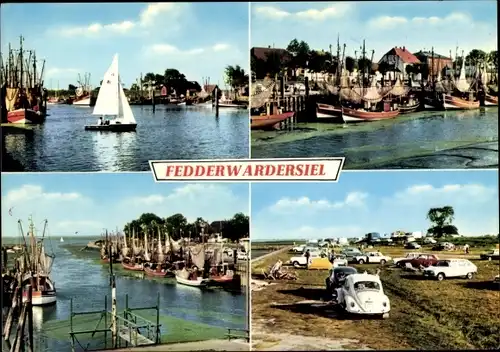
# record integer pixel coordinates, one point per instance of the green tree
(350, 63)
(300, 54)
(441, 218)
(236, 77)
(475, 57)
(72, 88)
(176, 225)
(237, 227)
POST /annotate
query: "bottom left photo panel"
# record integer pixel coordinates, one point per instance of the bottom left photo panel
(101, 261)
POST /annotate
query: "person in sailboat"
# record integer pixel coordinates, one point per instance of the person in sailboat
(100, 122)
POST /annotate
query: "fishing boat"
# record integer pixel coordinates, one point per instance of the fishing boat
(222, 279)
(111, 101)
(198, 282)
(158, 272)
(22, 88)
(61, 240)
(325, 111)
(408, 108)
(463, 97)
(268, 122)
(38, 265)
(353, 115)
(490, 100)
(132, 267)
(83, 92)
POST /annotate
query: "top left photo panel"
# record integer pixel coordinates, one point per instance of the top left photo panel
(89, 87)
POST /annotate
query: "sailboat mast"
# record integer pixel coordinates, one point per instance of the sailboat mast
(337, 69)
(21, 59)
(35, 81)
(432, 70)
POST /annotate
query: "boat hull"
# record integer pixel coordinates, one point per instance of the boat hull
(234, 106)
(455, 103)
(82, 102)
(118, 127)
(194, 283)
(325, 111)
(134, 267)
(408, 109)
(41, 298)
(151, 272)
(25, 116)
(352, 115)
(490, 100)
(268, 122)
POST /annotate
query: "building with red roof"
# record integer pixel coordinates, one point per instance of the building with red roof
(397, 60)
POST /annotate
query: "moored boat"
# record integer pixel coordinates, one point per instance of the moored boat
(25, 116)
(325, 111)
(132, 267)
(158, 272)
(198, 282)
(406, 109)
(490, 100)
(452, 103)
(43, 292)
(353, 115)
(268, 122)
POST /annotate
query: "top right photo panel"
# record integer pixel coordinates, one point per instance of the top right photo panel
(387, 85)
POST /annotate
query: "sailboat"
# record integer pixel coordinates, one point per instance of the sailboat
(61, 240)
(111, 101)
(460, 101)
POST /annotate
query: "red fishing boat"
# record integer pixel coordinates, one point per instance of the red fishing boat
(490, 100)
(25, 116)
(268, 122)
(325, 111)
(453, 103)
(222, 279)
(133, 267)
(353, 115)
(158, 272)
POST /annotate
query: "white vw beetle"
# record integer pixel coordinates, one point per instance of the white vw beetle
(363, 294)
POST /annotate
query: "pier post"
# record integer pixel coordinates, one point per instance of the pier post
(282, 91)
(158, 337)
(29, 307)
(216, 101)
(306, 83)
(113, 312)
(105, 322)
(153, 102)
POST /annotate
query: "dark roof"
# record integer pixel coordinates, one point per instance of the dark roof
(427, 54)
(263, 53)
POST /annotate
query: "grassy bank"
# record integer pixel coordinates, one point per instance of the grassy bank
(453, 314)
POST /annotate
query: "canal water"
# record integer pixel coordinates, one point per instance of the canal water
(187, 313)
(189, 132)
(444, 139)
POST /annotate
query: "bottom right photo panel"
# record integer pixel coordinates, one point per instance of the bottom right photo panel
(379, 260)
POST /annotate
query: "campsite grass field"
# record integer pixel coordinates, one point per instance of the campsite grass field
(425, 314)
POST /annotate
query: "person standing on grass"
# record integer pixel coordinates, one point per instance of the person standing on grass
(308, 254)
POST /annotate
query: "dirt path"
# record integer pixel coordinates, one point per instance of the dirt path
(263, 257)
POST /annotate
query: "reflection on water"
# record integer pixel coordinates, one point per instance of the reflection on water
(388, 141)
(62, 144)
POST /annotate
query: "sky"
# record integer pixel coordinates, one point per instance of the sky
(198, 39)
(415, 25)
(89, 203)
(384, 202)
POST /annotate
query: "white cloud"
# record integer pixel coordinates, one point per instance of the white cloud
(36, 193)
(173, 50)
(333, 11)
(146, 18)
(220, 47)
(305, 232)
(353, 199)
(390, 22)
(451, 193)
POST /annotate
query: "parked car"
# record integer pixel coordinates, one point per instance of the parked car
(429, 240)
(336, 278)
(451, 268)
(494, 254)
(363, 294)
(299, 249)
(372, 257)
(444, 246)
(300, 261)
(409, 256)
(413, 245)
(424, 260)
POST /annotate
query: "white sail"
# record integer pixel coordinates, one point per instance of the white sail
(107, 102)
(461, 82)
(125, 113)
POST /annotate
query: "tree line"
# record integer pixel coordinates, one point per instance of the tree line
(300, 55)
(178, 227)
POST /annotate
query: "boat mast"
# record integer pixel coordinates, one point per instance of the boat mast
(34, 70)
(21, 59)
(364, 58)
(432, 71)
(337, 69)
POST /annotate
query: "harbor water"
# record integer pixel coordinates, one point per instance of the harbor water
(439, 139)
(187, 313)
(188, 132)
